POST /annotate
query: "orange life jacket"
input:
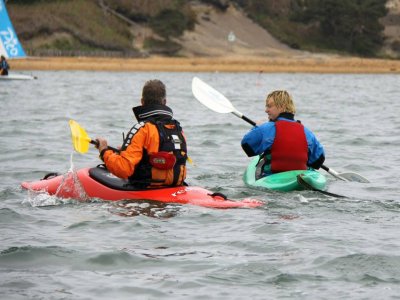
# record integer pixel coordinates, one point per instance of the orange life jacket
(154, 152)
(167, 166)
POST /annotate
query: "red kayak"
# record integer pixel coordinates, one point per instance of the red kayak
(101, 184)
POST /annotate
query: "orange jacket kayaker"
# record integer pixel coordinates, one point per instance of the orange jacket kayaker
(154, 152)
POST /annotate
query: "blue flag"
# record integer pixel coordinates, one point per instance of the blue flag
(10, 46)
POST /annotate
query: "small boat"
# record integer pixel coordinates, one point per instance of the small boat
(284, 181)
(10, 46)
(99, 183)
(17, 77)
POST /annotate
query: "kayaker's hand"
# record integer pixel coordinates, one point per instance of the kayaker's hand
(102, 144)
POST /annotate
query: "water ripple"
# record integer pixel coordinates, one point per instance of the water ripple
(299, 245)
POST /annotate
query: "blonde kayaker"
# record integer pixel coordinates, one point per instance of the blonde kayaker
(283, 143)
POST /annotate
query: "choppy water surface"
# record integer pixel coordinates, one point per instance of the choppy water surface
(299, 245)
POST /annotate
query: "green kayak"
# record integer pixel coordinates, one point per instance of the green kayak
(284, 181)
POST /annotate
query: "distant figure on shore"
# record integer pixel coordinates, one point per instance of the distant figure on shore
(3, 66)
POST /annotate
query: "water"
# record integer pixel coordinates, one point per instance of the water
(299, 245)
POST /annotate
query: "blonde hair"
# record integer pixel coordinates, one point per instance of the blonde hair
(283, 100)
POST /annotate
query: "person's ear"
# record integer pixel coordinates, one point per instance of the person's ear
(141, 101)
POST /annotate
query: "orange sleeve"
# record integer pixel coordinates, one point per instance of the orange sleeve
(123, 165)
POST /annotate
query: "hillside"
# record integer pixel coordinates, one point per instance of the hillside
(229, 33)
(392, 29)
(122, 28)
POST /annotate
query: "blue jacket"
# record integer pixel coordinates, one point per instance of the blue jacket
(260, 139)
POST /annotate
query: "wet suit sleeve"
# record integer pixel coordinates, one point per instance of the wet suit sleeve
(123, 165)
(316, 153)
(259, 139)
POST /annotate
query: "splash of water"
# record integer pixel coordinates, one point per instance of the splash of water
(42, 199)
(69, 188)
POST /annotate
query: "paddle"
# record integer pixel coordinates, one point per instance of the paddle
(81, 140)
(217, 102)
(308, 186)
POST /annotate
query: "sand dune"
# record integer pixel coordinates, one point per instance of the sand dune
(303, 63)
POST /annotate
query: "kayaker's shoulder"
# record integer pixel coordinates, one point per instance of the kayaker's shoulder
(265, 125)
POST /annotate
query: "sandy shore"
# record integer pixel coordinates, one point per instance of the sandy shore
(312, 64)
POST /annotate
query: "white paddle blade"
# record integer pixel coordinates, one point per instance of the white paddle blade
(210, 97)
(350, 176)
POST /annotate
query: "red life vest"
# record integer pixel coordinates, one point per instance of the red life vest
(289, 150)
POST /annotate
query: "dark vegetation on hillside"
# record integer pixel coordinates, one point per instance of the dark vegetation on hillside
(77, 27)
(47, 26)
(343, 25)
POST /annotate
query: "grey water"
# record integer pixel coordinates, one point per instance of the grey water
(298, 245)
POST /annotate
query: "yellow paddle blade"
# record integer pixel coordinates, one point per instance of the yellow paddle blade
(80, 139)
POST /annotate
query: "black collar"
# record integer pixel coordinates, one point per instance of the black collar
(285, 115)
(153, 111)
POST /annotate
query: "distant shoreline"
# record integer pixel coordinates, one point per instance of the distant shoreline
(301, 64)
